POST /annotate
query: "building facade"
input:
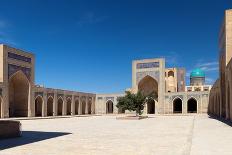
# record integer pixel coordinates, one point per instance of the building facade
(221, 92)
(20, 97)
(168, 84)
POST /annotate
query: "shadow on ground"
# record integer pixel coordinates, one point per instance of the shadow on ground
(223, 120)
(29, 137)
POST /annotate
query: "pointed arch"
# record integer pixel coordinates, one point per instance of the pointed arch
(192, 105)
(83, 107)
(0, 107)
(60, 106)
(18, 99)
(177, 105)
(109, 107)
(69, 106)
(228, 101)
(38, 106)
(151, 107)
(50, 106)
(148, 85)
(89, 106)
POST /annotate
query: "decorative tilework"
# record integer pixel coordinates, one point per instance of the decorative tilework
(153, 74)
(13, 69)
(19, 57)
(147, 65)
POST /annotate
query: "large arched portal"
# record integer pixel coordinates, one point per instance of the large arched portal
(192, 105)
(83, 107)
(60, 106)
(148, 86)
(76, 107)
(38, 106)
(69, 104)
(177, 105)
(18, 95)
(109, 107)
(50, 106)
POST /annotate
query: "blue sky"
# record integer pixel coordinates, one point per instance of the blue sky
(88, 45)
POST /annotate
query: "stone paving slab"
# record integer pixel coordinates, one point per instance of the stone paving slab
(104, 135)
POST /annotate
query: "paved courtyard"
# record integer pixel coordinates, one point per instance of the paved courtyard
(168, 135)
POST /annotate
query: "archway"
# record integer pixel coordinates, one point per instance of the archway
(192, 105)
(38, 106)
(60, 106)
(18, 95)
(151, 107)
(177, 105)
(76, 107)
(228, 102)
(83, 107)
(50, 106)
(69, 104)
(109, 107)
(170, 74)
(89, 107)
(0, 107)
(148, 85)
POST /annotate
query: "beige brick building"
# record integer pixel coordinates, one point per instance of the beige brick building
(150, 75)
(221, 92)
(20, 97)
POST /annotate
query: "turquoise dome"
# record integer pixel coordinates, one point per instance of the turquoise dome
(197, 73)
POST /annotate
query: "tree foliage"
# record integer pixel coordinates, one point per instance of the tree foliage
(134, 102)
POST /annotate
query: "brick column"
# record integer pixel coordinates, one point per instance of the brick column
(86, 105)
(80, 106)
(73, 106)
(64, 109)
(55, 104)
(44, 106)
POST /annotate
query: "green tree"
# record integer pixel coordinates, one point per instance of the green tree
(134, 102)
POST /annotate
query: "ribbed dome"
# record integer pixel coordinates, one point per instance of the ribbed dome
(197, 73)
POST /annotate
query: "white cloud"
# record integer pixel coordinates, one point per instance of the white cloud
(213, 63)
(209, 68)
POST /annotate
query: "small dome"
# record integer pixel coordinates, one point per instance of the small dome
(197, 73)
